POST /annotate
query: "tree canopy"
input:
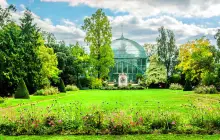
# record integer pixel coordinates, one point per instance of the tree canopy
(167, 50)
(196, 58)
(156, 72)
(98, 36)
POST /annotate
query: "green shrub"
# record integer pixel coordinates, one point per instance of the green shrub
(175, 78)
(22, 91)
(175, 86)
(205, 90)
(2, 100)
(47, 91)
(71, 88)
(187, 86)
(95, 83)
(61, 86)
(85, 82)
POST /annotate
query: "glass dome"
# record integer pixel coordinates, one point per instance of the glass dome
(130, 58)
(126, 48)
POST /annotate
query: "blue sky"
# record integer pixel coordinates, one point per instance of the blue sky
(189, 19)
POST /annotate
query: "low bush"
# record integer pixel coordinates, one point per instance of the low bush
(2, 100)
(22, 91)
(205, 89)
(175, 86)
(47, 91)
(71, 88)
(95, 83)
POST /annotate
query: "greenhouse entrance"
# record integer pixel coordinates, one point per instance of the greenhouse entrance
(130, 58)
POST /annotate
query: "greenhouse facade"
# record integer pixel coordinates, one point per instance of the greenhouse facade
(130, 59)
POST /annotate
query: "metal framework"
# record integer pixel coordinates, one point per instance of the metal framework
(130, 58)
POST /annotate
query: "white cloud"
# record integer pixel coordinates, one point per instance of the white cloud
(3, 3)
(146, 30)
(67, 32)
(135, 27)
(146, 8)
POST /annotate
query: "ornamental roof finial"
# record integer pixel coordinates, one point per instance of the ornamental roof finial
(122, 31)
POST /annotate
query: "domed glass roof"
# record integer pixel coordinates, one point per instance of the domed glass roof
(126, 48)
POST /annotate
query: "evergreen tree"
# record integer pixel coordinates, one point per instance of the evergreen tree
(22, 91)
(61, 86)
(5, 14)
(187, 86)
(32, 66)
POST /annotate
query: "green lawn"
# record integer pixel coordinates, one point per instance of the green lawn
(150, 99)
(110, 100)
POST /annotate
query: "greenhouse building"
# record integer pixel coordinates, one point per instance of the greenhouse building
(130, 59)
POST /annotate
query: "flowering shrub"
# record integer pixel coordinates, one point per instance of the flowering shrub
(71, 88)
(71, 119)
(208, 118)
(175, 86)
(2, 100)
(205, 90)
(47, 91)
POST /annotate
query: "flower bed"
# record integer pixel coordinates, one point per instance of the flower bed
(71, 119)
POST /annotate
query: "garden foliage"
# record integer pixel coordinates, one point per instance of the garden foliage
(69, 119)
(47, 91)
(201, 89)
(95, 83)
(22, 91)
(61, 86)
(2, 100)
(156, 72)
(187, 86)
(71, 88)
(175, 86)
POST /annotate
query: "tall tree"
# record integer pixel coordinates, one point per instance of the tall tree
(150, 49)
(196, 59)
(11, 58)
(5, 14)
(167, 49)
(49, 65)
(216, 51)
(31, 36)
(98, 36)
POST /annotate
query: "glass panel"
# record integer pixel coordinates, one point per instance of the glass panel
(119, 67)
(125, 67)
(134, 69)
(129, 68)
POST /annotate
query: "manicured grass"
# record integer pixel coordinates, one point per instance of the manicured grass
(150, 99)
(124, 137)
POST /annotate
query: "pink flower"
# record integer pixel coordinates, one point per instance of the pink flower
(173, 123)
(60, 121)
